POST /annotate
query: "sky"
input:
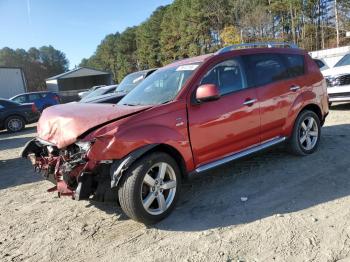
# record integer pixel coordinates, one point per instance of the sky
(75, 27)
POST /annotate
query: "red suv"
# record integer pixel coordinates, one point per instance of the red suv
(185, 119)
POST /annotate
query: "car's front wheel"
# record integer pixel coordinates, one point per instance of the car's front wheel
(306, 134)
(14, 124)
(150, 188)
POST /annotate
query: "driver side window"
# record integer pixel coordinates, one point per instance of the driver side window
(228, 76)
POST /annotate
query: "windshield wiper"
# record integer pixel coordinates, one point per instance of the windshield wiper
(131, 104)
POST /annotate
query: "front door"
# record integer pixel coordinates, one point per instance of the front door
(229, 124)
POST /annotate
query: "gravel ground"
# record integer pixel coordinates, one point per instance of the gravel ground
(297, 210)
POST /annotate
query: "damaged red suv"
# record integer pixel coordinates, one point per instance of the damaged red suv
(183, 120)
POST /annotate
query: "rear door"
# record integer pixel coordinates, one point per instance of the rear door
(229, 124)
(37, 100)
(276, 90)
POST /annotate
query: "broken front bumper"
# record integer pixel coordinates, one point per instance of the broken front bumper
(69, 169)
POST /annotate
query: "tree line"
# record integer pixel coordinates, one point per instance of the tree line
(188, 28)
(37, 64)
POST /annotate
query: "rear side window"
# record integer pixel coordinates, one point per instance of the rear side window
(265, 69)
(296, 64)
(227, 75)
(33, 97)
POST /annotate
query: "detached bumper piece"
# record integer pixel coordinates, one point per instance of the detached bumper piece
(69, 169)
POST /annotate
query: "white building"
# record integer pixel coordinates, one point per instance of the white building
(12, 82)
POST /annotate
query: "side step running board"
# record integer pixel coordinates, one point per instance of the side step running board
(241, 154)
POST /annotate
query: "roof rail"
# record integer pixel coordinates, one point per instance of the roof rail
(255, 45)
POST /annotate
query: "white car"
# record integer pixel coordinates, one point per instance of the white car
(338, 80)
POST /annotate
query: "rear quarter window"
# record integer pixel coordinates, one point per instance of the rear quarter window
(34, 97)
(296, 64)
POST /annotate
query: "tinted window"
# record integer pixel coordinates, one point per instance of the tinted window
(20, 99)
(228, 76)
(344, 61)
(265, 68)
(295, 64)
(319, 63)
(33, 97)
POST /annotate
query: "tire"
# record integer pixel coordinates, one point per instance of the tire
(136, 188)
(14, 124)
(306, 135)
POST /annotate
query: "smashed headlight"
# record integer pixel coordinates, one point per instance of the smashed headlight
(84, 146)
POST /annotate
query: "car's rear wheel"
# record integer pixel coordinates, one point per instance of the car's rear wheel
(14, 124)
(150, 188)
(306, 134)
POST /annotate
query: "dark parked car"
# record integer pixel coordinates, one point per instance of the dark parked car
(99, 92)
(14, 116)
(126, 85)
(92, 89)
(41, 100)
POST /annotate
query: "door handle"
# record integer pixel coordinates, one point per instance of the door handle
(294, 88)
(249, 102)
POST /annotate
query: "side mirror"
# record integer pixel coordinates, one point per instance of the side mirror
(207, 92)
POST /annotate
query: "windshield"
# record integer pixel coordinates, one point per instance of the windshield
(160, 87)
(344, 61)
(129, 82)
(97, 92)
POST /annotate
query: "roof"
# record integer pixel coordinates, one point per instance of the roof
(192, 60)
(79, 72)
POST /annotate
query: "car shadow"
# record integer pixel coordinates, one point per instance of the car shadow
(274, 183)
(15, 172)
(13, 142)
(340, 107)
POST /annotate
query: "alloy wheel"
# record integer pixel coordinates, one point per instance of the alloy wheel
(308, 133)
(15, 124)
(158, 188)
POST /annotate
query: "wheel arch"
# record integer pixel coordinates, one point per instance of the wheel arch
(118, 167)
(314, 108)
(16, 115)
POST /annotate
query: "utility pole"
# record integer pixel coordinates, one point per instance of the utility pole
(336, 21)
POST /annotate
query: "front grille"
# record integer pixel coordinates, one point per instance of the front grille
(338, 80)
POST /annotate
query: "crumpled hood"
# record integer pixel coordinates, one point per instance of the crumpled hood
(336, 71)
(61, 125)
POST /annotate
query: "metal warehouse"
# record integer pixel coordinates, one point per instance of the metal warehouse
(12, 82)
(70, 83)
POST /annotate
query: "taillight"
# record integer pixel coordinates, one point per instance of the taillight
(34, 108)
(57, 98)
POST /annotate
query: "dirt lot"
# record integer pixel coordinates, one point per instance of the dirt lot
(297, 210)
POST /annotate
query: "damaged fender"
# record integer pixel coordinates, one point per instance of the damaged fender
(120, 166)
